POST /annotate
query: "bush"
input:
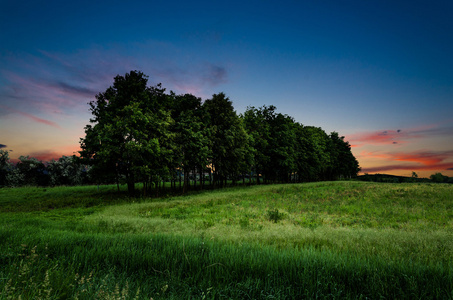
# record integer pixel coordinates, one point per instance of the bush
(439, 178)
(274, 215)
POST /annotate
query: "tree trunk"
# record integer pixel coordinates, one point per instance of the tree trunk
(130, 187)
(201, 177)
(117, 177)
(184, 187)
(194, 172)
(180, 175)
(210, 178)
(144, 188)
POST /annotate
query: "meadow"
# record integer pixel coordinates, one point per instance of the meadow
(334, 240)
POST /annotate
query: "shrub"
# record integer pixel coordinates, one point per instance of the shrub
(274, 215)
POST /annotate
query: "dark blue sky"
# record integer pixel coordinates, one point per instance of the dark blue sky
(378, 72)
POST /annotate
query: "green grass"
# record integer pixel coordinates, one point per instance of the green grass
(317, 240)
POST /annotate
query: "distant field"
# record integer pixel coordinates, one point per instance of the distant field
(316, 240)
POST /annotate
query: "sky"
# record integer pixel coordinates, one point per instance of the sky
(378, 72)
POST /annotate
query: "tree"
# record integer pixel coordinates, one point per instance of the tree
(5, 167)
(229, 142)
(439, 178)
(29, 171)
(285, 150)
(128, 131)
(67, 170)
(344, 164)
(191, 136)
(140, 133)
(257, 127)
(414, 177)
(306, 159)
(273, 138)
(281, 148)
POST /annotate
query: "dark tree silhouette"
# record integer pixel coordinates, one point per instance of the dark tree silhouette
(229, 140)
(129, 131)
(191, 135)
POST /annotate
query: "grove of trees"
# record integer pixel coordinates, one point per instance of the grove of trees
(139, 133)
(143, 134)
(29, 171)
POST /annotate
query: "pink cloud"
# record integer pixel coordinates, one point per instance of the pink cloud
(384, 137)
(39, 120)
(413, 167)
(393, 137)
(422, 157)
(58, 83)
(50, 96)
(53, 82)
(425, 160)
(45, 155)
(31, 117)
(48, 155)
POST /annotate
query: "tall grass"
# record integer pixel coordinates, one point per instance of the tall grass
(323, 240)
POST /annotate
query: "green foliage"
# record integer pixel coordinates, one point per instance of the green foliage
(229, 141)
(67, 170)
(274, 215)
(5, 167)
(140, 134)
(130, 134)
(191, 147)
(344, 164)
(29, 171)
(439, 178)
(286, 151)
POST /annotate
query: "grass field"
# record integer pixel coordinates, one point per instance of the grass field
(334, 240)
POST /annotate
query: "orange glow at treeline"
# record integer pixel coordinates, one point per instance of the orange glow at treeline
(46, 156)
(413, 161)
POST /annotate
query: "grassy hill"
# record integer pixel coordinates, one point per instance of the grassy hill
(316, 240)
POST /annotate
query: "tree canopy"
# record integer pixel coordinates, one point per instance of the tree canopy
(129, 134)
(142, 134)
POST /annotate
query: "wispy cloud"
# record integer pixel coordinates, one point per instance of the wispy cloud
(39, 120)
(48, 155)
(424, 160)
(408, 167)
(31, 117)
(47, 95)
(398, 136)
(52, 84)
(386, 137)
(63, 83)
(67, 88)
(214, 75)
(422, 157)
(45, 155)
